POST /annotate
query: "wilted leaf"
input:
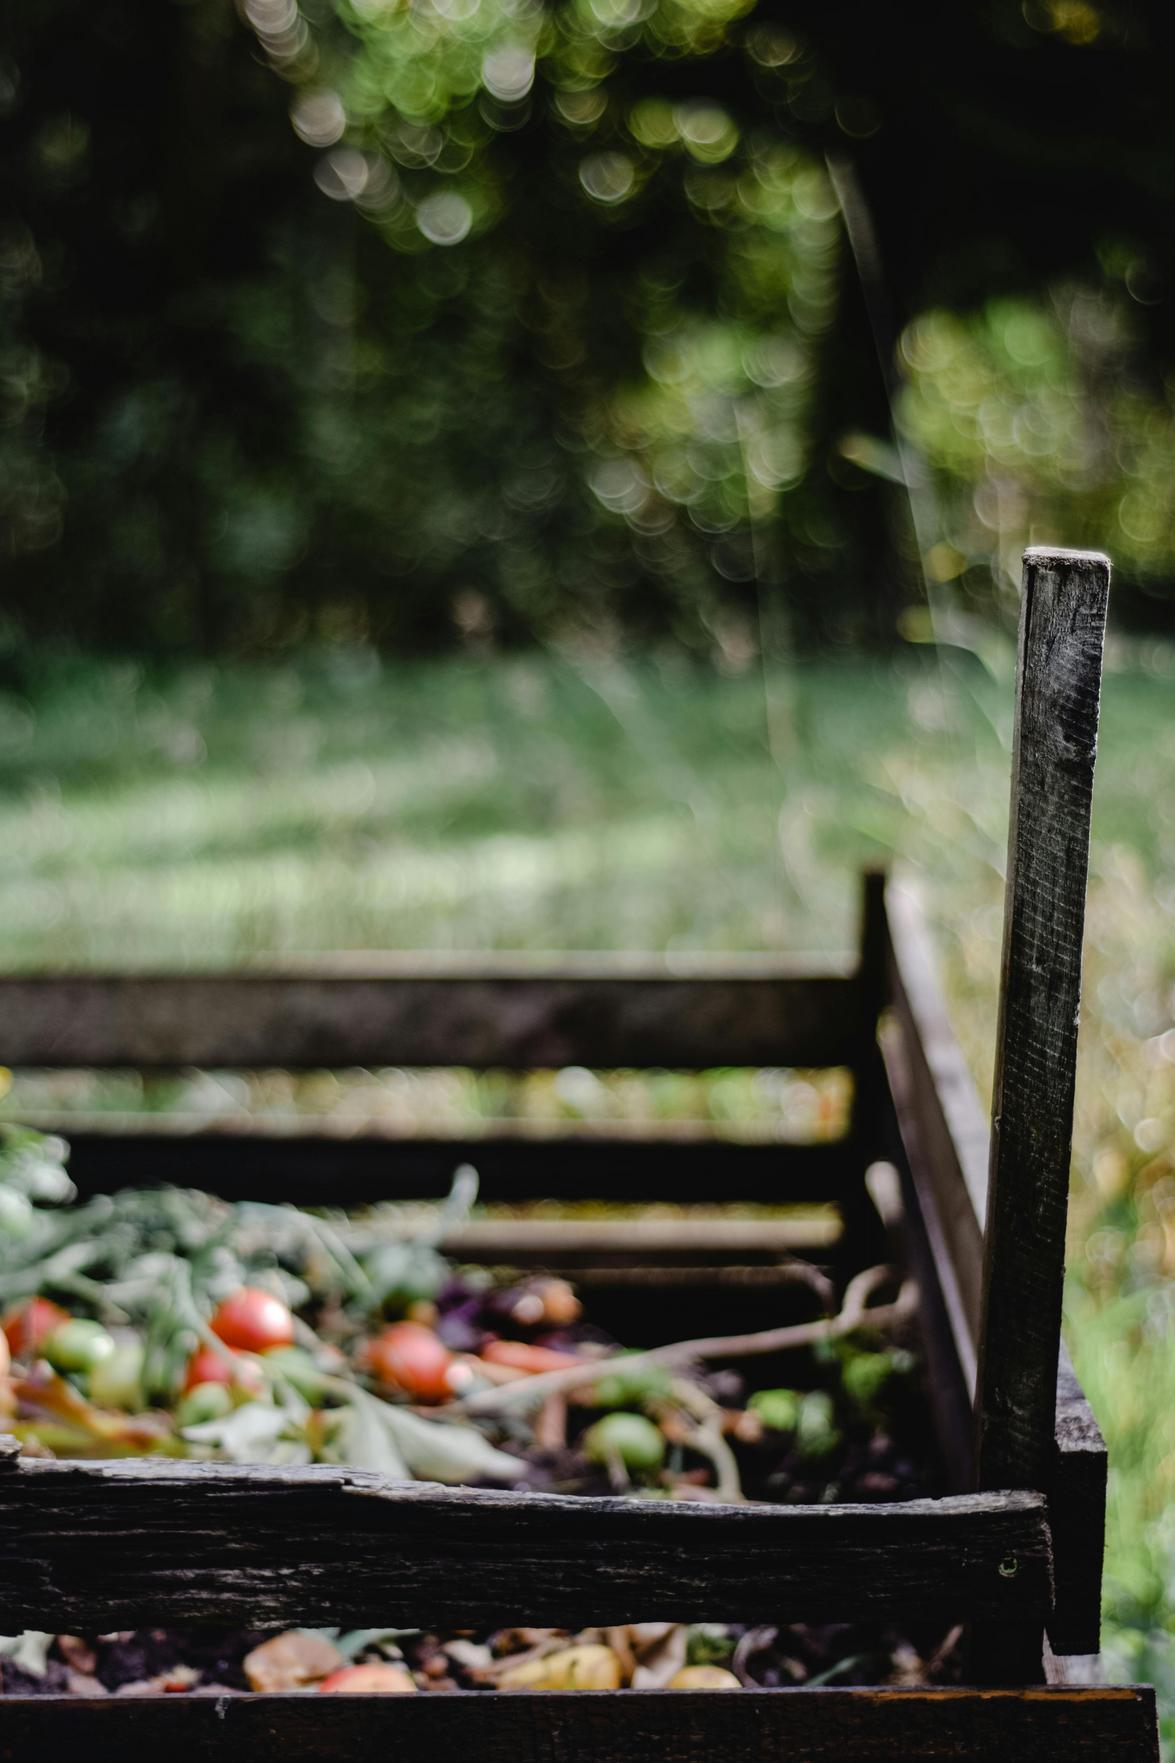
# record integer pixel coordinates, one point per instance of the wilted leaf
(365, 1441)
(439, 1450)
(29, 1651)
(248, 1435)
(662, 1660)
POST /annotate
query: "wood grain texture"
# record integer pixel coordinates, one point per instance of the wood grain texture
(1053, 1725)
(90, 1547)
(1062, 630)
(865, 1235)
(942, 1122)
(943, 1151)
(603, 1011)
(343, 1162)
(1077, 1514)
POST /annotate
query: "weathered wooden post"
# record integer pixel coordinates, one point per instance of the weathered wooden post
(1062, 627)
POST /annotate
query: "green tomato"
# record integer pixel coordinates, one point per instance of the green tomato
(204, 1401)
(638, 1444)
(621, 1388)
(866, 1375)
(779, 1410)
(297, 1366)
(77, 1345)
(817, 1434)
(117, 1380)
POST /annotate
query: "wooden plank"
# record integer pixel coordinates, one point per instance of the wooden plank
(1062, 1725)
(606, 1012)
(1054, 747)
(341, 1161)
(1077, 1514)
(610, 1244)
(1084, 1668)
(1062, 626)
(921, 1251)
(944, 1143)
(940, 1116)
(865, 1235)
(90, 1547)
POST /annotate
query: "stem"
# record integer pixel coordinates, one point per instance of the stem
(855, 1312)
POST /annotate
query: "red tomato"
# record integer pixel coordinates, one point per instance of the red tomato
(411, 1358)
(31, 1323)
(521, 1356)
(254, 1321)
(208, 1366)
(367, 1680)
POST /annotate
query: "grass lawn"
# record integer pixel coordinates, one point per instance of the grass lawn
(206, 816)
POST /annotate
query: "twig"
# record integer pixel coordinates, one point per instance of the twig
(707, 1438)
(855, 1312)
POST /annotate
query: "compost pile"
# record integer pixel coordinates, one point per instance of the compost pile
(163, 1321)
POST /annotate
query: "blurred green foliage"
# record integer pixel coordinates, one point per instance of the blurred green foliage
(437, 321)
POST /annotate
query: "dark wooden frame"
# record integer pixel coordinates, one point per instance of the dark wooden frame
(95, 1546)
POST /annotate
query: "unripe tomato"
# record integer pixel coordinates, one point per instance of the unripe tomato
(208, 1366)
(253, 1321)
(411, 1358)
(208, 1401)
(367, 1680)
(638, 1444)
(26, 1326)
(117, 1380)
(77, 1345)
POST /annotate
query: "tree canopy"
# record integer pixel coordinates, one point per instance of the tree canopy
(434, 320)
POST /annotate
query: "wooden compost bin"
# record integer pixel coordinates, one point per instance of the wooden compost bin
(1015, 1551)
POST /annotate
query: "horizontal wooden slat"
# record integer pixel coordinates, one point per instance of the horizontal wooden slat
(945, 1139)
(601, 1012)
(676, 1726)
(341, 1161)
(608, 1244)
(99, 1546)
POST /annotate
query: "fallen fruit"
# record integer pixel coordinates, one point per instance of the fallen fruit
(817, 1434)
(410, 1357)
(575, 1668)
(368, 1680)
(26, 1326)
(703, 1677)
(638, 1444)
(207, 1401)
(777, 1409)
(291, 1660)
(117, 1380)
(866, 1375)
(253, 1321)
(208, 1366)
(77, 1345)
